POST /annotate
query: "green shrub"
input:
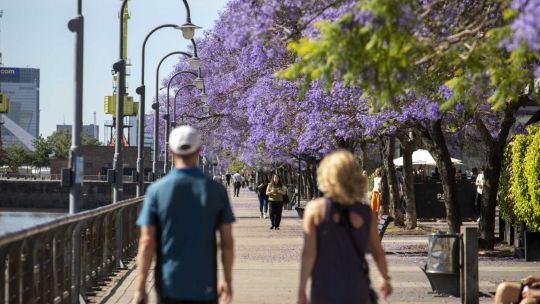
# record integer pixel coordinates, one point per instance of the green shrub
(525, 177)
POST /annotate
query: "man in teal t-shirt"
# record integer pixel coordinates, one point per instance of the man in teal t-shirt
(179, 219)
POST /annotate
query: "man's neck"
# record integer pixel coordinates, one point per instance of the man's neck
(182, 164)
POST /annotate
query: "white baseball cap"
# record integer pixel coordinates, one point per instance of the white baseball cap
(184, 140)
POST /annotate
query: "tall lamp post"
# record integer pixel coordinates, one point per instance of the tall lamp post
(155, 105)
(173, 123)
(194, 62)
(120, 68)
(76, 25)
(168, 115)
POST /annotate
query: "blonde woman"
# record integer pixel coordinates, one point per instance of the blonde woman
(275, 192)
(376, 193)
(338, 229)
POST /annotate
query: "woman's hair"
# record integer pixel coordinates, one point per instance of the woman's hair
(279, 184)
(378, 172)
(340, 178)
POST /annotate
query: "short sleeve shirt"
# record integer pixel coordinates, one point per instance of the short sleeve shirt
(186, 208)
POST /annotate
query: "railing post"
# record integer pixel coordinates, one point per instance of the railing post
(2, 274)
(469, 271)
(119, 238)
(75, 264)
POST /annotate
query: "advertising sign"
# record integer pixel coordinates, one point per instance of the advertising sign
(9, 73)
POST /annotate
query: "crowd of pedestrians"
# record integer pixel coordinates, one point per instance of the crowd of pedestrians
(182, 212)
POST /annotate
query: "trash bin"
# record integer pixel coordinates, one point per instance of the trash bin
(443, 253)
(443, 264)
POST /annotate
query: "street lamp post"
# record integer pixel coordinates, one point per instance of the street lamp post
(194, 61)
(76, 25)
(168, 117)
(155, 106)
(120, 68)
(173, 123)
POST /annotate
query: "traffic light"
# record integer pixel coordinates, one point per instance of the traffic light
(131, 108)
(4, 103)
(110, 105)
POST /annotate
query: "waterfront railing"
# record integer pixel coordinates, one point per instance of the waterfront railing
(67, 259)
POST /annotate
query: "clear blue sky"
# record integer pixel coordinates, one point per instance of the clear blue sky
(33, 33)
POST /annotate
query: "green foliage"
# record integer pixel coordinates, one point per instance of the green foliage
(40, 157)
(525, 177)
(385, 58)
(375, 56)
(236, 166)
(532, 174)
(16, 156)
(60, 143)
(506, 200)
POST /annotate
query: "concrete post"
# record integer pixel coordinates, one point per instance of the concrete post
(469, 271)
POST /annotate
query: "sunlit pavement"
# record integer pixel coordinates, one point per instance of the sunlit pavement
(266, 268)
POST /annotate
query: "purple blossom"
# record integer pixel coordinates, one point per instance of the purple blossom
(525, 26)
(445, 91)
(459, 108)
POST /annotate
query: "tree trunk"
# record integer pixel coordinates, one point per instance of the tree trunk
(433, 137)
(363, 155)
(409, 195)
(393, 189)
(385, 206)
(492, 172)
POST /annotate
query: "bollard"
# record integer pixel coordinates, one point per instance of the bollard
(469, 270)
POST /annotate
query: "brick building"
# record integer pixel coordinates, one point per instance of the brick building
(97, 159)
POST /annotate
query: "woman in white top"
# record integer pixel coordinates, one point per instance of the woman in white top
(376, 193)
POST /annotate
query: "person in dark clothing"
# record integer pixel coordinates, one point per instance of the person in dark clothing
(228, 179)
(263, 198)
(436, 174)
(275, 192)
(338, 229)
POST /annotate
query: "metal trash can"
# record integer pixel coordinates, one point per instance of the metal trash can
(443, 264)
(443, 253)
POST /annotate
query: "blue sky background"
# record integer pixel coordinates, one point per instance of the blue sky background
(33, 33)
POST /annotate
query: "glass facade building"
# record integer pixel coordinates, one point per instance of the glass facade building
(22, 88)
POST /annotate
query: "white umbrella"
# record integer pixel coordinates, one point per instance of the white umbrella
(423, 157)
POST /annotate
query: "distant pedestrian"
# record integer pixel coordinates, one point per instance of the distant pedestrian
(275, 191)
(237, 180)
(179, 219)
(376, 193)
(228, 179)
(338, 230)
(263, 198)
(479, 188)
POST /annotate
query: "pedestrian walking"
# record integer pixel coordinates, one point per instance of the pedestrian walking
(237, 180)
(376, 193)
(179, 219)
(338, 229)
(479, 187)
(263, 198)
(228, 179)
(275, 191)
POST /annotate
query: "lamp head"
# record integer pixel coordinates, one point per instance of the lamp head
(204, 97)
(188, 30)
(199, 83)
(195, 62)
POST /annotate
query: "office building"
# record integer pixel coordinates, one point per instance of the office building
(91, 130)
(21, 125)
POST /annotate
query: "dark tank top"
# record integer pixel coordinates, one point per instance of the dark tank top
(340, 272)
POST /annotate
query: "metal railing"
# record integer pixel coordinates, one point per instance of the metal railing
(69, 257)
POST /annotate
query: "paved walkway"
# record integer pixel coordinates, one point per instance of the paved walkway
(267, 263)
